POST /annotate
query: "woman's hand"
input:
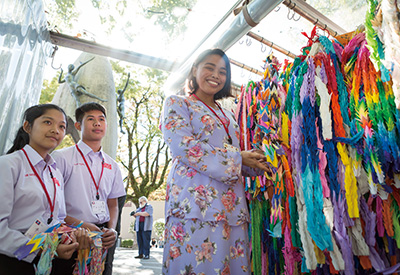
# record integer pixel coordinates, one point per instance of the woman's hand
(255, 159)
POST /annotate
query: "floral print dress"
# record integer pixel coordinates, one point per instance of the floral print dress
(206, 212)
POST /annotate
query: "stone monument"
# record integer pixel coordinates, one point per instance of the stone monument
(97, 79)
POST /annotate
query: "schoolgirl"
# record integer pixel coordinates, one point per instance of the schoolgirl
(31, 187)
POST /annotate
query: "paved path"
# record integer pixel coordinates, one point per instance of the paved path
(125, 263)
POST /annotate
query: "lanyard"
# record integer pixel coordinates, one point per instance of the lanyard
(91, 174)
(223, 124)
(49, 220)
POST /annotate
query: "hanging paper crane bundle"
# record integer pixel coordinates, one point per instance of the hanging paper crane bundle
(330, 130)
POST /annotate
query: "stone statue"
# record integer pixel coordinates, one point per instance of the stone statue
(121, 104)
(75, 88)
(97, 77)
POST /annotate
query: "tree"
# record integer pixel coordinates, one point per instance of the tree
(335, 10)
(171, 15)
(61, 14)
(145, 156)
(159, 227)
(49, 89)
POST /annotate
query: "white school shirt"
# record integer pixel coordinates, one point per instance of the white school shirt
(79, 189)
(23, 200)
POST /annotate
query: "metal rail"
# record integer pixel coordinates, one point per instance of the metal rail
(124, 55)
(243, 66)
(271, 44)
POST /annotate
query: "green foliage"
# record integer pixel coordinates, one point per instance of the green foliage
(61, 14)
(335, 11)
(49, 88)
(66, 142)
(127, 243)
(110, 12)
(159, 227)
(329, 7)
(171, 15)
(132, 228)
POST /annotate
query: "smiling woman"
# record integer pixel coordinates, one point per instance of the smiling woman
(210, 76)
(206, 212)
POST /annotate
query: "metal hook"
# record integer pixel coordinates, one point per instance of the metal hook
(297, 18)
(278, 9)
(271, 47)
(291, 17)
(242, 73)
(241, 41)
(263, 47)
(52, 58)
(248, 41)
(326, 30)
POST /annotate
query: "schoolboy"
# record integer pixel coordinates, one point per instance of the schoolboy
(93, 181)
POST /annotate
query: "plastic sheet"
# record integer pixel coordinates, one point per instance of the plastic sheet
(24, 47)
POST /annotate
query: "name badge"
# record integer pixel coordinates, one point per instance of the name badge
(231, 148)
(36, 228)
(99, 207)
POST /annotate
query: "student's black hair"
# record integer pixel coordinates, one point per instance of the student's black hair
(30, 114)
(87, 107)
(191, 79)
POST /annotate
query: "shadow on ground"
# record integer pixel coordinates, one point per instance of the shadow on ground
(125, 263)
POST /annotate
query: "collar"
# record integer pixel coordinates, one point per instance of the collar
(86, 150)
(203, 105)
(35, 158)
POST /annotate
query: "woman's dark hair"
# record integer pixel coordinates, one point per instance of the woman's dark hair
(32, 113)
(87, 107)
(191, 80)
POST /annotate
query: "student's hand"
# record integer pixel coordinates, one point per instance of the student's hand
(65, 251)
(82, 237)
(109, 237)
(255, 159)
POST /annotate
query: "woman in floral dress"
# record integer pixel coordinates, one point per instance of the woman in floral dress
(206, 211)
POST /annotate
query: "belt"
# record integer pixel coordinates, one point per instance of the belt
(101, 225)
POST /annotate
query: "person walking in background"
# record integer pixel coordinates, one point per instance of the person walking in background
(143, 227)
(206, 230)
